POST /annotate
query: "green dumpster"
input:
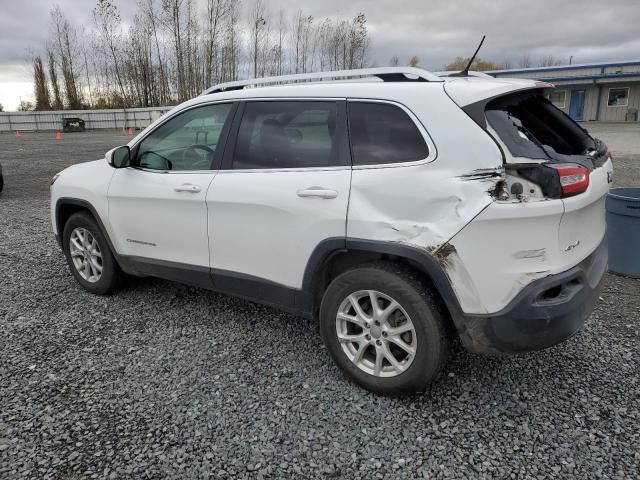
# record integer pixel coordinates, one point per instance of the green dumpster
(72, 125)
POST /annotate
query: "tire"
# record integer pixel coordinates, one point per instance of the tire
(109, 278)
(429, 338)
(1, 182)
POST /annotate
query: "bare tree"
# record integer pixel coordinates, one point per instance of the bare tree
(550, 61)
(216, 12)
(66, 41)
(40, 85)
(525, 61)
(258, 24)
(230, 55)
(394, 61)
(25, 106)
(298, 28)
(479, 64)
(176, 48)
(55, 85)
(173, 19)
(148, 12)
(279, 48)
(306, 39)
(107, 18)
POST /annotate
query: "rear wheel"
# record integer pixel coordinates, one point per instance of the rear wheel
(384, 329)
(88, 255)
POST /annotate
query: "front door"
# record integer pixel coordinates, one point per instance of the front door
(283, 189)
(576, 107)
(157, 208)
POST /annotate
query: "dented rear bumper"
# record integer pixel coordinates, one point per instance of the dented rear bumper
(544, 313)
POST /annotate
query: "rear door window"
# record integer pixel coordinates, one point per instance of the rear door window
(289, 134)
(382, 133)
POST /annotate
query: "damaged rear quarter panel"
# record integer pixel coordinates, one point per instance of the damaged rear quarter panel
(424, 204)
(428, 213)
(506, 247)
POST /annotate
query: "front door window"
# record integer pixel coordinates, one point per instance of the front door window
(186, 142)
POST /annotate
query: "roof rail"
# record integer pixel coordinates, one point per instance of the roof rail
(386, 74)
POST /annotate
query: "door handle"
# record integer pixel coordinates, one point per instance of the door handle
(187, 187)
(319, 192)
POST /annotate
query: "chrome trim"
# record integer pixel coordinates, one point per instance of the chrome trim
(297, 169)
(433, 151)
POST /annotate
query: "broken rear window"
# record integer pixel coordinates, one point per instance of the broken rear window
(532, 127)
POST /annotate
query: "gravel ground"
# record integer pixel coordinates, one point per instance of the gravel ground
(167, 381)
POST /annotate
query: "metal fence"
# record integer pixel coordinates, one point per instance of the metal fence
(94, 119)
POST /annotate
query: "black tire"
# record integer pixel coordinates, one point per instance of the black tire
(111, 273)
(425, 311)
(1, 182)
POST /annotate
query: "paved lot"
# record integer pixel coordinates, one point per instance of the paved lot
(167, 381)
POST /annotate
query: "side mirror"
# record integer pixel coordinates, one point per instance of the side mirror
(119, 157)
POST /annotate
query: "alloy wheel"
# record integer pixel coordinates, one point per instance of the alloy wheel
(376, 333)
(86, 254)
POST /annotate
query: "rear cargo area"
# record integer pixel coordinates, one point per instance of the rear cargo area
(531, 127)
(548, 214)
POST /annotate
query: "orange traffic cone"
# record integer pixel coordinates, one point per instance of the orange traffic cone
(130, 132)
(18, 134)
(58, 136)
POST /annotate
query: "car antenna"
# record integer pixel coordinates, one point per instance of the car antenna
(465, 72)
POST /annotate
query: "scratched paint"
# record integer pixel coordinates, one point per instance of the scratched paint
(537, 253)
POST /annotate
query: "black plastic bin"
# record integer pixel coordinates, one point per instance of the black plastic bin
(72, 125)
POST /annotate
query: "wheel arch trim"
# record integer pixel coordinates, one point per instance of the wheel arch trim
(62, 201)
(418, 259)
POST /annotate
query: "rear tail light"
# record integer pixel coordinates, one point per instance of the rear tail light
(574, 179)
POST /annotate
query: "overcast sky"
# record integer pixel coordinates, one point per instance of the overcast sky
(434, 31)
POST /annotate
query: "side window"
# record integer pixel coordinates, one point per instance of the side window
(382, 133)
(287, 134)
(186, 142)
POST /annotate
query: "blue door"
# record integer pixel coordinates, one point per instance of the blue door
(576, 107)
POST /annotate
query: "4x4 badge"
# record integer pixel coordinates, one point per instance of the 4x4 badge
(571, 246)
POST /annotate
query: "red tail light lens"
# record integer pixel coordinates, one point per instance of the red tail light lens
(574, 179)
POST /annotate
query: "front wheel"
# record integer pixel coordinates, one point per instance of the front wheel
(88, 255)
(384, 329)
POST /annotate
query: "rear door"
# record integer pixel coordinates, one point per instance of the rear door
(283, 189)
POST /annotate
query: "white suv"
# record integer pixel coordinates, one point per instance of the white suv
(400, 208)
